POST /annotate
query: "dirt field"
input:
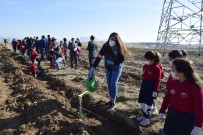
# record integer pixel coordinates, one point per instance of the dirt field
(49, 104)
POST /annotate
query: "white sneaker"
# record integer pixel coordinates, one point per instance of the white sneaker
(155, 111)
(145, 122)
(141, 118)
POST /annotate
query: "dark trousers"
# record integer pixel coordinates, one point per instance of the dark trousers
(145, 96)
(178, 123)
(14, 48)
(23, 55)
(146, 90)
(42, 51)
(74, 59)
(46, 52)
(29, 51)
(38, 60)
(37, 49)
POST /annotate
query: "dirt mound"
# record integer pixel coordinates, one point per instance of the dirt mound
(78, 79)
(49, 105)
(34, 108)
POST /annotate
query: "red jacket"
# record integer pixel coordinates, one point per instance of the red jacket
(34, 55)
(63, 52)
(32, 69)
(153, 72)
(185, 97)
(168, 82)
(23, 48)
(162, 70)
(79, 51)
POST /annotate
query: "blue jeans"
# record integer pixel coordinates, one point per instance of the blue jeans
(112, 76)
(57, 63)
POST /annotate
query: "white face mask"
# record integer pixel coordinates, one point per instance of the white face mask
(170, 63)
(112, 43)
(147, 62)
(173, 75)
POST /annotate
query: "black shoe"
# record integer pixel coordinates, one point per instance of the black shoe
(107, 104)
(111, 106)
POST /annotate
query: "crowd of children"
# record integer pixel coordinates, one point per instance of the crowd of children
(48, 48)
(183, 101)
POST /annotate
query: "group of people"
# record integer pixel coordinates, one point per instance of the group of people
(38, 50)
(183, 101)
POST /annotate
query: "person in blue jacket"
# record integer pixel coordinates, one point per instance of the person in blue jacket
(42, 46)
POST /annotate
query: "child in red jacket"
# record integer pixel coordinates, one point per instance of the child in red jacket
(22, 50)
(184, 100)
(34, 56)
(151, 78)
(172, 56)
(32, 69)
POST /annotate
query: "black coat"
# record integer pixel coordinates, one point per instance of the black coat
(92, 48)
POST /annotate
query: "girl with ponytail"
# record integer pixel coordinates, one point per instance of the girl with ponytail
(152, 73)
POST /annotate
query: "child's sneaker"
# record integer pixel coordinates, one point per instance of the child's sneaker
(145, 122)
(154, 110)
(141, 118)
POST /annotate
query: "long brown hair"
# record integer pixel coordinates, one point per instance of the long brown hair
(123, 49)
(185, 66)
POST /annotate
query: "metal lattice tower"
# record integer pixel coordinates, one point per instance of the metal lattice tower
(180, 25)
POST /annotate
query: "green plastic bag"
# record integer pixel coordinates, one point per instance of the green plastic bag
(91, 84)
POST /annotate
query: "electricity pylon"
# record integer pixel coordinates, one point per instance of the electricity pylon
(180, 25)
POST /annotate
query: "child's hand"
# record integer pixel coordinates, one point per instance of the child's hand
(154, 94)
(141, 72)
(160, 117)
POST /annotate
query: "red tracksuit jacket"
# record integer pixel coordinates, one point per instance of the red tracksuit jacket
(185, 97)
(32, 69)
(23, 48)
(34, 55)
(168, 82)
(153, 72)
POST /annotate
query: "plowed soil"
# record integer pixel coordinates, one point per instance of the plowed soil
(48, 105)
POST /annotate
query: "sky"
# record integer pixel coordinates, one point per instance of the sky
(133, 20)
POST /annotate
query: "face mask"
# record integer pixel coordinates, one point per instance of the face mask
(170, 63)
(147, 62)
(173, 75)
(112, 43)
